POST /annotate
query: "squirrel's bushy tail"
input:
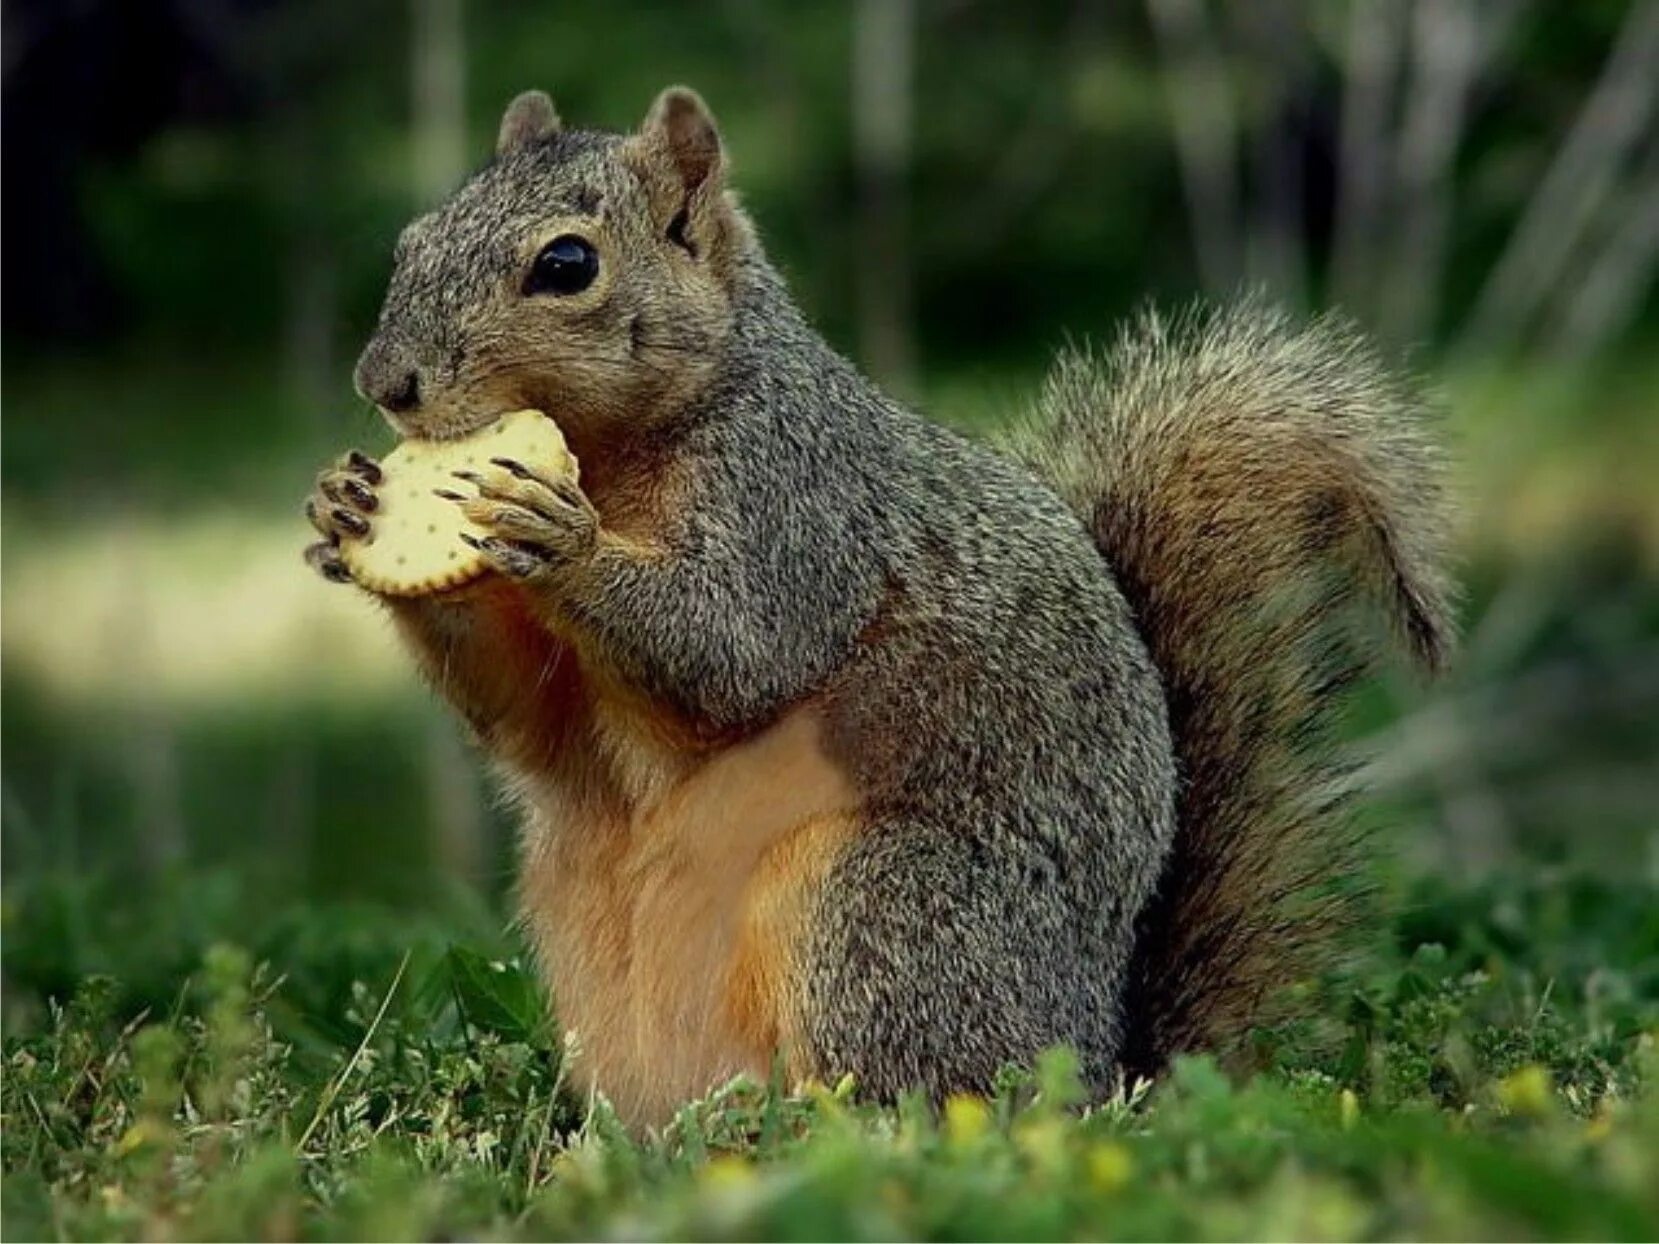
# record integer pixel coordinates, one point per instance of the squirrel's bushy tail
(1249, 480)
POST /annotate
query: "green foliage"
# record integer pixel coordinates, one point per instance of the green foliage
(1489, 1082)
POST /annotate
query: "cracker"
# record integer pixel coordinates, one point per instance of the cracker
(414, 545)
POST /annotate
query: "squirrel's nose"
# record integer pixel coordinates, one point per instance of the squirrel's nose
(388, 380)
(405, 396)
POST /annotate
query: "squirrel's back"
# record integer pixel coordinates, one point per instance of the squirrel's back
(1250, 481)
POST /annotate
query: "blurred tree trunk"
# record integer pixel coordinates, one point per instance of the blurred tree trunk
(437, 80)
(438, 98)
(1453, 41)
(1610, 294)
(153, 769)
(1370, 69)
(1576, 188)
(149, 729)
(1443, 63)
(1206, 135)
(456, 799)
(312, 368)
(1032, 161)
(883, 119)
(1280, 58)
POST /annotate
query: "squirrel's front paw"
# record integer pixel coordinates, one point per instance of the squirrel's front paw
(536, 523)
(340, 505)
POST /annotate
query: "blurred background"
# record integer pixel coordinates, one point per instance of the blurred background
(200, 203)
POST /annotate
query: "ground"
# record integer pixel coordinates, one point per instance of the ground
(1481, 1075)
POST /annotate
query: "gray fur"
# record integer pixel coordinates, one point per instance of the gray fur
(1007, 724)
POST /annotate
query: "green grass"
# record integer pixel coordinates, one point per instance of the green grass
(1482, 1075)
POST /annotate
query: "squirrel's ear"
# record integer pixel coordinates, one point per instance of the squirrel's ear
(679, 157)
(681, 128)
(529, 119)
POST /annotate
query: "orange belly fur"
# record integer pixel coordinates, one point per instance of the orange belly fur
(666, 920)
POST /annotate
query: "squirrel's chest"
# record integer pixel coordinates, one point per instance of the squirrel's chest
(666, 932)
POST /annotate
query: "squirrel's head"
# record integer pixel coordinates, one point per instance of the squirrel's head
(582, 273)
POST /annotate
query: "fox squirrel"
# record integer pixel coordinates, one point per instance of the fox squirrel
(843, 739)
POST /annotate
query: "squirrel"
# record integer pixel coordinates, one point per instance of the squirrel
(846, 743)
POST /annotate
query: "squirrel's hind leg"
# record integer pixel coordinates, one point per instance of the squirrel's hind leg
(931, 960)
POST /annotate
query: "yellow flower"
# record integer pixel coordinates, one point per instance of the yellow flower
(1528, 1092)
(1600, 1125)
(1043, 1142)
(1348, 1109)
(137, 1136)
(1111, 1166)
(727, 1171)
(967, 1118)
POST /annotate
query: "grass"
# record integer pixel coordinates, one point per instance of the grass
(1482, 1075)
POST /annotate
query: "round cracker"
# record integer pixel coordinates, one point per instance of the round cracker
(414, 545)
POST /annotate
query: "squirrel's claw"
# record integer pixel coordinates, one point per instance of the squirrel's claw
(347, 521)
(340, 505)
(324, 558)
(360, 495)
(535, 524)
(514, 467)
(516, 559)
(559, 500)
(363, 465)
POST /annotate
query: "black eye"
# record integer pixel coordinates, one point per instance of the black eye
(566, 265)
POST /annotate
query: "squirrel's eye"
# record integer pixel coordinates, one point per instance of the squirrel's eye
(566, 265)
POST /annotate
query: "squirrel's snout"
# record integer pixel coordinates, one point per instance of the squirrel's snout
(388, 378)
(406, 396)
